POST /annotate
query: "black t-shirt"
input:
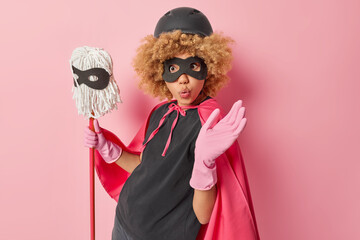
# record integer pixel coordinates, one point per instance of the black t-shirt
(156, 200)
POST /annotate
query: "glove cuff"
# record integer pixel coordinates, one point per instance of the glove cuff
(203, 177)
(111, 153)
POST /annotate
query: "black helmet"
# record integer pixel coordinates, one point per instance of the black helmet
(188, 20)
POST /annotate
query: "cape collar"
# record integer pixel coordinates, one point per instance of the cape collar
(179, 110)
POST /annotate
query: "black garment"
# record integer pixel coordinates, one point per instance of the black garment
(156, 200)
(119, 233)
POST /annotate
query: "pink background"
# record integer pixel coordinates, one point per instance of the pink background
(296, 68)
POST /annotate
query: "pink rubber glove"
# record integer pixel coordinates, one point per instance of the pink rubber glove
(109, 151)
(214, 141)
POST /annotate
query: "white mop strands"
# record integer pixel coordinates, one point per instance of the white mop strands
(92, 102)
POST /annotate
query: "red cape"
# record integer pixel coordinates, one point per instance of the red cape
(233, 214)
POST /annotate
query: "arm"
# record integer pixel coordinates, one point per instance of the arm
(128, 161)
(213, 140)
(203, 204)
(109, 151)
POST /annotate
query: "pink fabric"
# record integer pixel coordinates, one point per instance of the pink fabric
(109, 151)
(214, 138)
(233, 215)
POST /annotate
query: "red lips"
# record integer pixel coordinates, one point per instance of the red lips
(185, 93)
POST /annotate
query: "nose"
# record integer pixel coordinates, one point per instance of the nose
(183, 79)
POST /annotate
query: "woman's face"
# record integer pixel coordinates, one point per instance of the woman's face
(186, 89)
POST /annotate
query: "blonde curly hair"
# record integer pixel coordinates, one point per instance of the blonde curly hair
(214, 50)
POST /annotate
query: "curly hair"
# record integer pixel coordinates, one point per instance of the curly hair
(214, 50)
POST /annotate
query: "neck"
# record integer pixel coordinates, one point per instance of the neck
(199, 99)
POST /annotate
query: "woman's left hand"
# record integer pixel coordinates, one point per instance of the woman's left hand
(213, 140)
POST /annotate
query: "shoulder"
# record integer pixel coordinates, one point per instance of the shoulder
(207, 107)
(158, 112)
(209, 104)
(162, 104)
(160, 108)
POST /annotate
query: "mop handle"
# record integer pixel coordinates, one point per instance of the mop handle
(92, 186)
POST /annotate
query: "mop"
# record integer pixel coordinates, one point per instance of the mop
(95, 93)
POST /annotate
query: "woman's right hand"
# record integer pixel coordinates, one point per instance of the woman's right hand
(109, 151)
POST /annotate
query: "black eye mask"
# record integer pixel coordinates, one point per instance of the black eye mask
(103, 77)
(184, 67)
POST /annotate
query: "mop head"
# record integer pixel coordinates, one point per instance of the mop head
(95, 90)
